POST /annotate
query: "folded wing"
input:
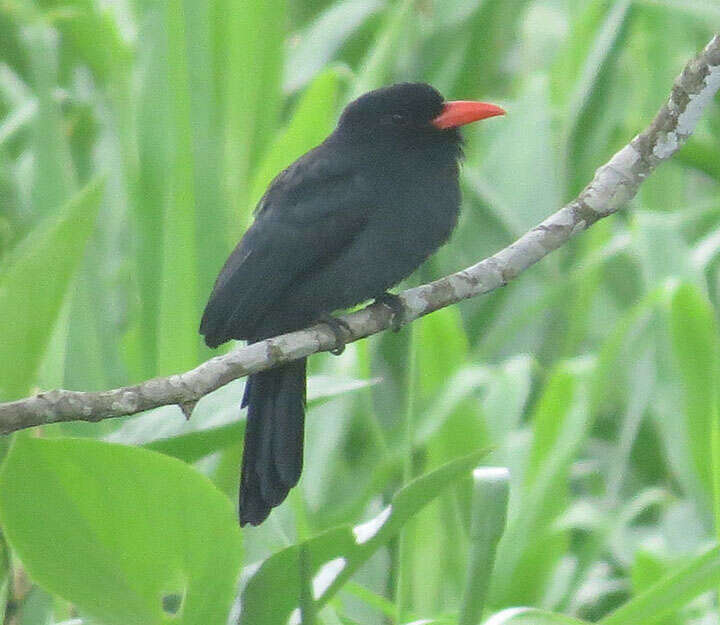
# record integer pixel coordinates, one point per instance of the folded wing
(309, 213)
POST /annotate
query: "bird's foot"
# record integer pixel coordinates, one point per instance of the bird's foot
(340, 329)
(395, 304)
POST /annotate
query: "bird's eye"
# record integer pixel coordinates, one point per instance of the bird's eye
(394, 119)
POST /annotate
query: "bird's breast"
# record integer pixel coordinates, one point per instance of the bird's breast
(422, 210)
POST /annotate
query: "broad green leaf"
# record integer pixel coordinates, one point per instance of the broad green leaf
(696, 345)
(330, 559)
(33, 281)
(123, 533)
(311, 122)
(671, 593)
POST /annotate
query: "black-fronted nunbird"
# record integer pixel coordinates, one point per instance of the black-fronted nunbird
(341, 225)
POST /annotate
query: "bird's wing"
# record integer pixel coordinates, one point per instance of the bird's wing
(308, 214)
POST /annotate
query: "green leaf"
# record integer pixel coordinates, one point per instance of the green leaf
(704, 10)
(211, 206)
(489, 513)
(671, 593)
(123, 533)
(442, 349)
(149, 193)
(647, 570)
(37, 608)
(330, 559)
(663, 251)
(568, 72)
(695, 342)
(702, 154)
(178, 340)
(582, 82)
(252, 41)
(530, 544)
(313, 48)
(531, 616)
(312, 121)
(373, 599)
(34, 279)
(491, 33)
(523, 141)
(5, 574)
(54, 173)
(375, 69)
(508, 389)
(454, 419)
(92, 34)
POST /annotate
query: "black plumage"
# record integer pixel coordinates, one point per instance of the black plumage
(341, 225)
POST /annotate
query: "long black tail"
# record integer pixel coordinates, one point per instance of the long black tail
(273, 454)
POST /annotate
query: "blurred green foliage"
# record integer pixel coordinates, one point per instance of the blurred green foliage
(135, 138)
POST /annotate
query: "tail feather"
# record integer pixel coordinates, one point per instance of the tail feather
(273, 454)
(287, 453)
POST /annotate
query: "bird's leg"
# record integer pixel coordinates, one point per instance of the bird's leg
(395, 304)
(340, 329)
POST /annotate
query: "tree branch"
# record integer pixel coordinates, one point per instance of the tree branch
(613, 185)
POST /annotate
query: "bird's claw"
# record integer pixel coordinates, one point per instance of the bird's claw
(395, 304)
(340, 329)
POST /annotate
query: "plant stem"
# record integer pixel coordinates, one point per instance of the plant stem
(403, 594)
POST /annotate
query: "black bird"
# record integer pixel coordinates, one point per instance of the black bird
(345, 222)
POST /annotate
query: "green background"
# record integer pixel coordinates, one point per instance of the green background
(136, 137)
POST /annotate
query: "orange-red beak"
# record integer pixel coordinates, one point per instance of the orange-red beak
(463, 112)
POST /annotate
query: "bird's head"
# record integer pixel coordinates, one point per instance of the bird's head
(411, 112)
